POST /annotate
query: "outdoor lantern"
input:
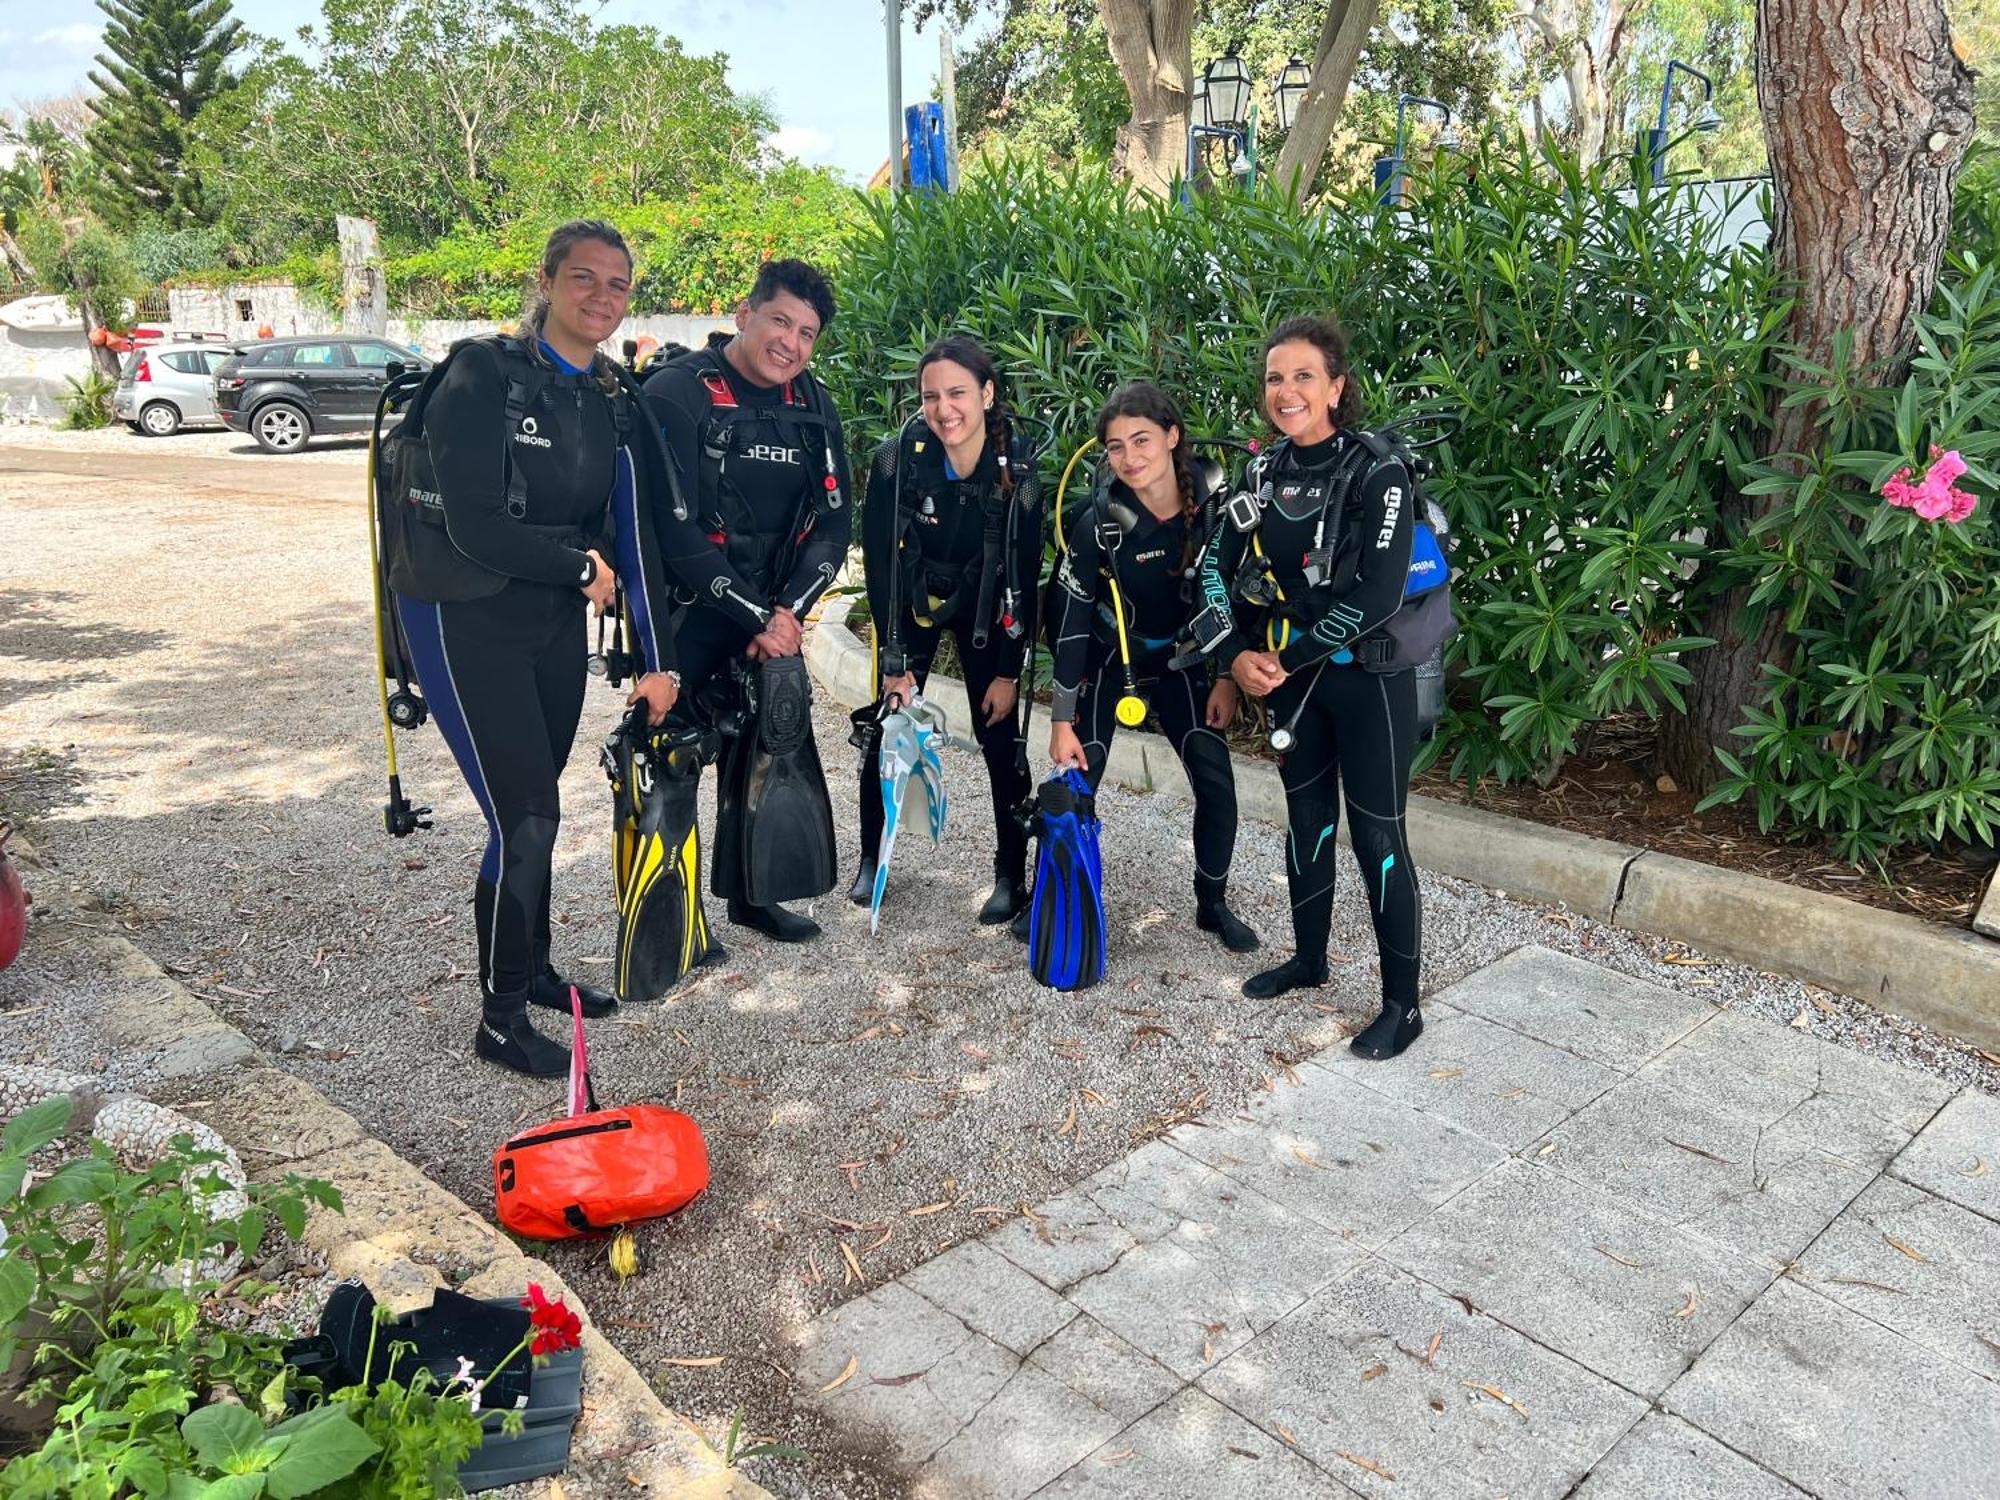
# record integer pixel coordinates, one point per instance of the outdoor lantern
(1198, 103)
(1227, 85)
(1291, 91)
(1709, 120)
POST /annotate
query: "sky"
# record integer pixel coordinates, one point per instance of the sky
(822, 64)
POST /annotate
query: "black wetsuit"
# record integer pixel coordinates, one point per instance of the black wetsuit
(944, 555)
(504, 675)
(1357, 731)
(769, 532)
(1152, 562)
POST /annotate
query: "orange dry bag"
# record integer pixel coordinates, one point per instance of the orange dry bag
(596, 1169)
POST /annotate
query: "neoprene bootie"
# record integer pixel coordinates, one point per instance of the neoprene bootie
(863, 890)
(773, 921)
(1295, 973)
(506, 1036)
(1389, 1033)
(1237, 935)
(1008, 899)
(551, 991)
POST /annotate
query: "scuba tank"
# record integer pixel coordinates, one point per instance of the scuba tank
(14, 903)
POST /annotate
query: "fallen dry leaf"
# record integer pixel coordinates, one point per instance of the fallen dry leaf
(1286, 1433)
(898, 1379)
(1308, 1158)
(1551, 1146)
(1896, 1244)
(853, 1262)
(1978, 1167)
(1497, 1394)
(1122, 1456)
(1697, 1151)
(846, 1374)
(697, 1362)
(1803, 1019)
(1692, 963)
(1873, 1286)
(1512, 1094)
(1614, 1255)
(1366, 1463)
(1993, 1344)
(1244, 1452)
(876, 1244)
(1091, 1096)
(1447, 1072)
(1375, 1371)
(938, 1208)
(1069, 1120)
(1431, 1354)
(1686, 1309)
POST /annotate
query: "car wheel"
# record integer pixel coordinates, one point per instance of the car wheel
(160, 419)
(280, 427)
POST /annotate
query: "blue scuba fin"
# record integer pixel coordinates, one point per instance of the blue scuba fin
(1066, 923)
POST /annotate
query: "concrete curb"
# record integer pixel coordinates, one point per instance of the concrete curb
(400, 1232)
(1938, 976)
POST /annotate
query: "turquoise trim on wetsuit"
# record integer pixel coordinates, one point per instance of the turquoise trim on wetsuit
(562, 364)
(1388, 864)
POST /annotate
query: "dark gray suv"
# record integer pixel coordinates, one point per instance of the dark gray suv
(284, 392)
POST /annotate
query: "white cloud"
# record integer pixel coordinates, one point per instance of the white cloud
(801, 141)
(78, 37)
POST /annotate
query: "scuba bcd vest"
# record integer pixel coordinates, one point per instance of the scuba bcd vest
(418, 558)
(934, 591)
(799, 424)
(1417, 632)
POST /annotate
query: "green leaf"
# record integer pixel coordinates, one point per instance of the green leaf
(37, 1125)
(17, 1288)
(317, 1455)
(88, 1179)
(226, 1436)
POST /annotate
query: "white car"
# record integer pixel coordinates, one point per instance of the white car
(165, 387)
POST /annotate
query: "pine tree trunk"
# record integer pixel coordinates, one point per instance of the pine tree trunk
(1867, 115)
(1341, 38)
(1150, 41)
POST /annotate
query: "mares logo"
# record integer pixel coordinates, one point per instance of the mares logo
(530, 434)
(1392, 510)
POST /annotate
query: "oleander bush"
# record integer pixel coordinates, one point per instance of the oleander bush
(1609, 359)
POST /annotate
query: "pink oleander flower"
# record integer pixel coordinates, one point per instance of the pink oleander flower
(1934, 497)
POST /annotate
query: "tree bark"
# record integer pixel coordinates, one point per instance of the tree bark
(1341, 38)
(1150, 42)
(1867, 114)
(1590, 57)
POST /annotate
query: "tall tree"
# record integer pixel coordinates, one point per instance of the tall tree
(1867, 113)
(1150, 41)
(166, 59)
(1342, 35)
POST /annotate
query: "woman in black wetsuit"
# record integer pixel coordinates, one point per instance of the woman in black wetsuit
(952, 540)
(1136, 542)
(528, 441)
(1333, 541)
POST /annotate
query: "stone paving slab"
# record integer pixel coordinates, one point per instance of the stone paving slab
(1618, 1291)
(1353, 1375)
(889, 1336)
(1075, 1235)
(1481, 1077)
(1757, 1187)
(1195, 1448)
(1027, 1435)
(1840, 1405)
(1575, 1005)
(1665, 1459)
(1924, 1267)
(1105, 1370)
(991, 1295)
(1363, 1165)
(1957, 1155)
(1849, 1104)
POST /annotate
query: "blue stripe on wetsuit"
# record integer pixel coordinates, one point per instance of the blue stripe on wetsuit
(423, 628)
(626, 531)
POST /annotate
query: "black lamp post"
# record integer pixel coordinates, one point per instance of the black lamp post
(1290, 90)
(1220, 109)
(1389, 175)
(1653, 144)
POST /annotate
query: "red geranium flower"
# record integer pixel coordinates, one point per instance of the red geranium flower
(554, 1326)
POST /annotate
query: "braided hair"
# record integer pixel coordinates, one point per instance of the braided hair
(968, 353)
(1147, 402)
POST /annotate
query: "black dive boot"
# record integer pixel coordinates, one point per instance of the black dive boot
(1295, 973)
(1212, 914)
(773, 921)
(863, 890)
(551, 990)
(1389, 1033)
(1009, 898)
(506, 1036)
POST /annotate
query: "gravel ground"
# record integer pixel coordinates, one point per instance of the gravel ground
(194, 737)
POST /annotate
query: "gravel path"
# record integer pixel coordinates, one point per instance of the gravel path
(191, 729)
